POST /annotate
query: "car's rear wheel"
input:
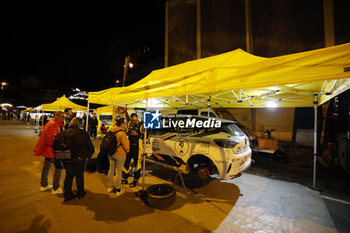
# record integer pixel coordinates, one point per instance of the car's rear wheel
(203, 173)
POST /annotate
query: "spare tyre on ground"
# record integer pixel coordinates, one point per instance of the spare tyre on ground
(160, 196)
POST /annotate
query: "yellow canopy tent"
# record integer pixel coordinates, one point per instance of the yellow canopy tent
(27, 110)
(60, 104)
(109, 110)
(238, 79)
(241, 80)
(33, 109)
(105, 110)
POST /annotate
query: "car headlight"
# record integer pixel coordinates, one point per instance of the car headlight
(225, 143)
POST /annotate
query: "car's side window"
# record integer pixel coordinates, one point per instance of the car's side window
(206, 114)
(155, 132)
(161, 131)
(183, 132)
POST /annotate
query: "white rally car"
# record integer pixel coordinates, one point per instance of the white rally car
(206, 151)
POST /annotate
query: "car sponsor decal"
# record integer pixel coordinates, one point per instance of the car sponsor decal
(167, 136)
(202, 147)
(157, 156)
(170, 137)
(181, 147)
(155, 144)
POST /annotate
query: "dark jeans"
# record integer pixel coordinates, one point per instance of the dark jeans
(74, 170)
(93, 132)
(133, 154)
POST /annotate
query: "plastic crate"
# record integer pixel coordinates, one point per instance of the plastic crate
(268, 143)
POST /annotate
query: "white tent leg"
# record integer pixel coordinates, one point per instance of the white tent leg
(144, 154)
(87, 117)
(315, 140)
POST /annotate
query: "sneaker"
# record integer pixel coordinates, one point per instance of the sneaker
(133, 184)
(117, 194)
(110, 189)
(57, 191)
(43, 189)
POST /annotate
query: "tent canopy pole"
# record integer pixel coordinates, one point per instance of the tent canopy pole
(315, 140)
(87, 117)
(144, 154)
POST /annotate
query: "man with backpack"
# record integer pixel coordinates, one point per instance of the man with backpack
(107, 147)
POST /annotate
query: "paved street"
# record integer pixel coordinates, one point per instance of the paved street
(247, 204)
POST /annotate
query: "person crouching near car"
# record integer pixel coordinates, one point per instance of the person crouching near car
(103, 129)
(117, 160)
(81, 148)
(44, 148)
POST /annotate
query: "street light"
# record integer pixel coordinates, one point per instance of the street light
(117, 82)
(131, 65)
(2, 89)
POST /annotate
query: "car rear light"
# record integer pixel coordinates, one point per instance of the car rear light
(225, 143)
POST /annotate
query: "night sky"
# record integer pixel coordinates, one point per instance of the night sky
(55, 45)
(65, 45)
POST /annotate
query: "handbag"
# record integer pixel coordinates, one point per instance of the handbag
(60, 148)
(62, 154)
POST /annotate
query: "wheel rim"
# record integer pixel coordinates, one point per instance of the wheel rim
(160, 190)
(202, 173)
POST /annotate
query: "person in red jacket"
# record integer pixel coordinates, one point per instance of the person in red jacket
(44, 148)
(104, 129)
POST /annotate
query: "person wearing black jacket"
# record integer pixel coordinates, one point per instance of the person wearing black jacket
(93, 122)
(69, 117)
(81, 147)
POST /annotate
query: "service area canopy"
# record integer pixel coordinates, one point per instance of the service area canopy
(60, 104)
(28, 109)
(105, 110)
(241, 80)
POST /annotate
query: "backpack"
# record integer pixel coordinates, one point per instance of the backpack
(109, 144)
(60, 143)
